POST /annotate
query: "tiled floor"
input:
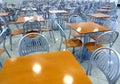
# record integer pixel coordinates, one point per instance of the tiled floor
(97, 77)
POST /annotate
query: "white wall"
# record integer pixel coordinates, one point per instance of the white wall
(0, 1)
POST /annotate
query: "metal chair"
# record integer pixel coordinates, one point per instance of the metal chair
(70, 43)
(47, 27)
(31, 26)
(108, 61)
(15, 31)
(105, 38)
(33, 42)
(3, 33)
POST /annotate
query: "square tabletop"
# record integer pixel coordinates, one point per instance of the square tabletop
(22, 19)
(25, 9)
(57, 11)
(99, 15)
(87, 27)
(50, 68)
(103, 10)
(4, 14)
(106, 7)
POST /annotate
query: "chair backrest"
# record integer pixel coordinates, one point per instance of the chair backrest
(15, 16)
(62, 33)
(2, 34)
(31, 26)
(107, 38)
(111, 23)
(74, 19)
(4, 23)
(32, 43)
(108, 61)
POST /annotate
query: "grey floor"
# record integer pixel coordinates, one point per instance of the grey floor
(97, 77)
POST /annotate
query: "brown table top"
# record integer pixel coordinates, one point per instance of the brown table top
(106, 7)
(87, 27)
(24, 9)
(50, 68)
(57, 11)
(99, 15)
(103, 10)
(4, 14)
(22, 19)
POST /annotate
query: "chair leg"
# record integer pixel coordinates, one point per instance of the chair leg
(73, 50)
(81, 57)
(0, 64)
(53, 36)
(89, 69)
(17, 26)
(11, 42)
(5, 48)
(70, 34)
(60, 45)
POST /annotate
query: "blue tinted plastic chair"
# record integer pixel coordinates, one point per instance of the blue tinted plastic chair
(3, 33)
(69, 43)
(105, 39)
(31, 26)
(108, 61)
(74, 19)
(32, 43)
(111, 23)
(15, 31)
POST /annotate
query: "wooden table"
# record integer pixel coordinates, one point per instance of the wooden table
(50, 68)
(57, 11)
(106, 7)
(99, 15)
(26, 9)
(87, 27)
(22, 19)
(103, 10)
(4, 14)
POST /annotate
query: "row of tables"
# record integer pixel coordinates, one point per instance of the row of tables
(50, 68)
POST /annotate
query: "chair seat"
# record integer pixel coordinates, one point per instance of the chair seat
(45, 29)
(34, 31)
(17, 31)
(66, 19)
(73, 42)
(90, 46)
(75, 35)
(94, 37)
(1, 51)
(74, 15)
(65, 14)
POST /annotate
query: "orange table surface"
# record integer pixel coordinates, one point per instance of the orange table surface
(87, 27)
(22, 19)
(99, 15)
(50, 68)
(4, 14)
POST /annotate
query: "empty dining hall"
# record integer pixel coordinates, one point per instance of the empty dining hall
(59, 42)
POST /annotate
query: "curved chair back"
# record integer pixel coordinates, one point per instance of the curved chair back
(15, 16)
(108, 61)
(3, 33)
(62, 33)
(111, 23)
(107, 38)
(33, 42)
(31, 26)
